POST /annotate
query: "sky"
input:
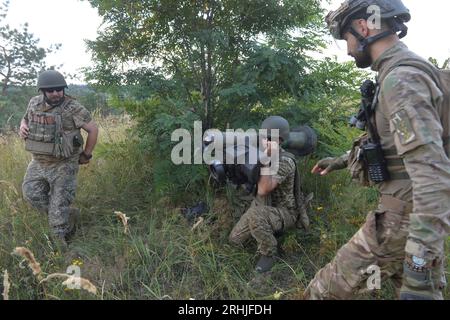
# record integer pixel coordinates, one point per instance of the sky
(69, 22)
(427, 30)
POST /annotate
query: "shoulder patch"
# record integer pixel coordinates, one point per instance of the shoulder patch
(403, 127)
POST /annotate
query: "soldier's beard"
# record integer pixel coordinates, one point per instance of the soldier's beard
(363, 59)
(55, 102)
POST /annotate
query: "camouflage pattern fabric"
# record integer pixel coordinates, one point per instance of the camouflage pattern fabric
(271, 215)
(50, 183)
(283, 196)
(262, 223)
(408, 123)
(51, 189)
(411, 101)
(378, 245)
(379, 242)
(74, 116)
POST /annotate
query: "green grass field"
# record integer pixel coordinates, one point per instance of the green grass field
(162, 257)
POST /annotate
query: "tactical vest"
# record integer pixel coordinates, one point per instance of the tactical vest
(300, 199)
(47, 135)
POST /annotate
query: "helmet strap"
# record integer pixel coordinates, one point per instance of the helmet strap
(364, 43)
(396, 26)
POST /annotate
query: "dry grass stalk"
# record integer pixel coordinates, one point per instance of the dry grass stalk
(199, 222)
(6, 285)
(124, 220)
(29, 257)
(73, 282)
(10, 185)
(55, 275)
(83, 284)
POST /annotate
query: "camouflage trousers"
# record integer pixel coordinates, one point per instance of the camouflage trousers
(262, 223)
(377, 250)
(50, 188)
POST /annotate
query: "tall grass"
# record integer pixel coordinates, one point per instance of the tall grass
(161, 257)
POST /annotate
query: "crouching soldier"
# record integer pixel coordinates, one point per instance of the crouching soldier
(278, 204)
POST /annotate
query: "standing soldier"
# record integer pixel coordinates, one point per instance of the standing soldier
(405, 153)
(51, 129)
(279, 203)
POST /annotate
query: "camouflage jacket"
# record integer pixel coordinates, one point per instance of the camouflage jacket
(408, 122)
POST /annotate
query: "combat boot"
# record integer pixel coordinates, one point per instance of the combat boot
(265, 263)
(74, 216)
(59, 240)
(303, 221)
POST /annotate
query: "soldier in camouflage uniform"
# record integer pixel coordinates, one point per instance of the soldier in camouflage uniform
(404, 237)
(274, 208)
(51, 129)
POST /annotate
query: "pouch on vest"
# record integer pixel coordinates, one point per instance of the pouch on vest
(356, 165)
(72, 141)
(300, 199)
(47, 135)
(42, 134)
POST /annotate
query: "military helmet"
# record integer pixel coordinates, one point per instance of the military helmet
(277, 122)
(51, 79)
(349, 10)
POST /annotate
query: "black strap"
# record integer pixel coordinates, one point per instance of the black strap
(445, 141)
(365, 42)
(390, 152)
(403, 175)
(395, 162)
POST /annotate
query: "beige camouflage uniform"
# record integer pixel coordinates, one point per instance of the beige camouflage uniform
(413, 211)
(50, 183)
(269, 215)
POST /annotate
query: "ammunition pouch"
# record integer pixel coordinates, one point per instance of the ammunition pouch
(302, 202)
(356, 166)
(47, 136)
(66, 148)
(42, 136)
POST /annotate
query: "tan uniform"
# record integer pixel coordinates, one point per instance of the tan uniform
(270, 215)
(408, 125)
(50, 182)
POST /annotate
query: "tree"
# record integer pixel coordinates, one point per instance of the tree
(445, 64)
(228, 63)
(206, 47)
(21, 58)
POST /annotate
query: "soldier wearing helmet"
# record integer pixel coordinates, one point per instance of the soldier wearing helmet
(274, 208)
(403, 238)
(51, 129)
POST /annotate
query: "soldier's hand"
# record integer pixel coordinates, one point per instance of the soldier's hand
(24, 130)
(323, 167)
(270, 147)
(84, 158)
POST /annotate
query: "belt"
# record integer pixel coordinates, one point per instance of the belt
(394, 204)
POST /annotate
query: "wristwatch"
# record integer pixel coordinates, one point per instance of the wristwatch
(88, 157)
